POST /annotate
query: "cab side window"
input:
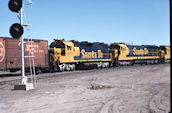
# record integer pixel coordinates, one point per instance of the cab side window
(68, 48)
(63, 52)
(123, 49)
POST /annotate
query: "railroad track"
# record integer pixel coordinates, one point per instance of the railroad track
(8, 78)
(16, 78)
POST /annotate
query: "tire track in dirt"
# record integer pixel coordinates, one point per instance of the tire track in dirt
(159, 101)
(108, 108)
(156, 104)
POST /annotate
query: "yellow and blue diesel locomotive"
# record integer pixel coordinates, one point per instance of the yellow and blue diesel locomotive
(68, 55)
(123, 54)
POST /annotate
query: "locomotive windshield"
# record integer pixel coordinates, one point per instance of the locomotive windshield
(114, 46)
(57, 45)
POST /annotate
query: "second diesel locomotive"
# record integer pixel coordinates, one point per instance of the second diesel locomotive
(134, 54)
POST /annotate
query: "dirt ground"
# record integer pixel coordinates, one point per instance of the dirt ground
(132, 89)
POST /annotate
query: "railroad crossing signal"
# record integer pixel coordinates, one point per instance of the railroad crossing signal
(16, 30)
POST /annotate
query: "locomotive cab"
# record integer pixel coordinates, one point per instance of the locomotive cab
(164, 54)
(62, 54)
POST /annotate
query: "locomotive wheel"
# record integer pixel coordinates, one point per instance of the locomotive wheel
(61, 68)
(37, 71)
(71, 67)
(52, 71)
(74, 67)
(97, 67)
(67, 68)
(117, 65)
(12, 70)
(108, 65)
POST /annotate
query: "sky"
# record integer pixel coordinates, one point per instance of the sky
(132, 21)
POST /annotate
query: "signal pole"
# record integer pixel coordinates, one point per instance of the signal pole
(24, 78)
(16, 31)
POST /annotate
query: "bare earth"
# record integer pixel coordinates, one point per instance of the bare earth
(132, 89)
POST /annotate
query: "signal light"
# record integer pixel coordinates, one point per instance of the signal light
(16, 30)
(15, 5)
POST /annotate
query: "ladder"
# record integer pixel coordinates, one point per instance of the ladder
(31, 61)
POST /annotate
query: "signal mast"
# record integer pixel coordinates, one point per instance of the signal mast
(16, 31)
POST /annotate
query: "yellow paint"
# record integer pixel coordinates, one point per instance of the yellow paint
(68, 43)
(113, 53)
(57, 50)
(167, 55)
(90, 60)
(76, 51)
(124, 51)
(100, 54)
